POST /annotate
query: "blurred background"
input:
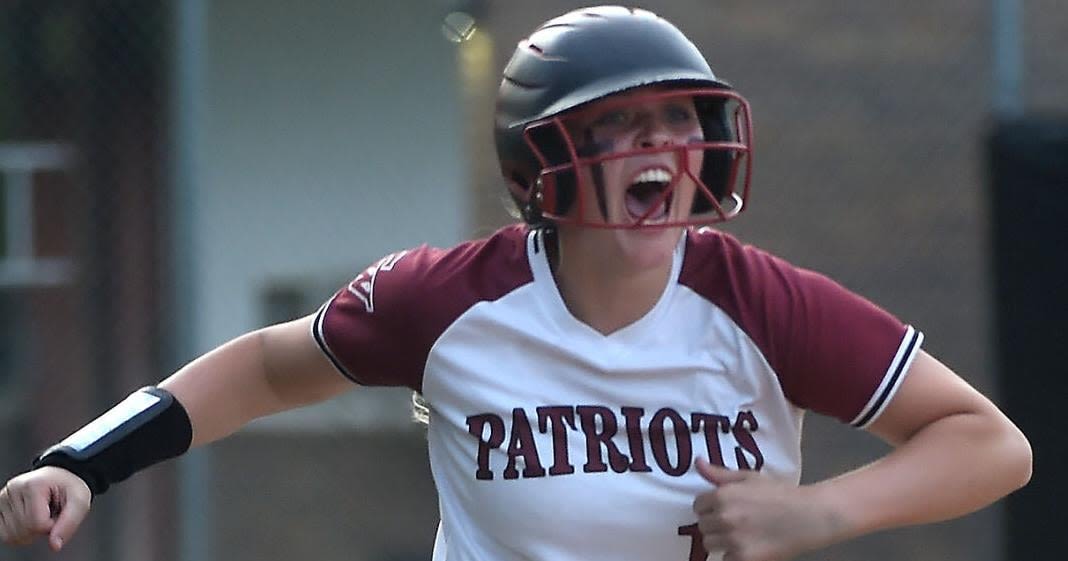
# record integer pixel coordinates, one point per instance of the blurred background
(176, 173)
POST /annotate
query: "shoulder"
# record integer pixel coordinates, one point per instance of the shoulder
(759, 290)
(756, 289)
(726, 271)
(815, 333)
(442, 282)
(379, 328)
(484, 268)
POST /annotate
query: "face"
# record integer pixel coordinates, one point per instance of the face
(643, 174)
(649, 180)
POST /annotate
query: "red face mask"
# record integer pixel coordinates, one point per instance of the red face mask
(683, 157)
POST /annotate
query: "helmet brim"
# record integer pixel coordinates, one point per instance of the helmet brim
(616, 84)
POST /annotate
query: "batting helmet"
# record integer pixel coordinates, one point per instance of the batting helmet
(589, 54)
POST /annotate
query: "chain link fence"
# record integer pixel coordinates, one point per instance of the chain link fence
(870, 128)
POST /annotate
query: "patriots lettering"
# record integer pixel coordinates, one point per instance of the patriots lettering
(744, 427)
(476, 426)
(562, 419)
(522, 445)
(658, 441)
(667, 433)
(598, 439)
(713, 426)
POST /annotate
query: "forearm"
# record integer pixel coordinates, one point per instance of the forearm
(950, 468)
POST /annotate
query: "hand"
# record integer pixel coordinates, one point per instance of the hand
(49, 501)
(751, 516)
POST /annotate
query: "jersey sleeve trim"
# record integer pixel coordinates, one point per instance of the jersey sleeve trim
(895, 374)
(320, 339)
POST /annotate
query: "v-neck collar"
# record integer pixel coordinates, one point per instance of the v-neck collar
(549, 293)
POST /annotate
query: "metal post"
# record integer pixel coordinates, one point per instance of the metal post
(1008, 58)
(194, 505)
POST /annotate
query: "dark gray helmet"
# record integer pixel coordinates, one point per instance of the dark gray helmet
(592, 53)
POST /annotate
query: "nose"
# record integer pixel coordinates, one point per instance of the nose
(653, 132)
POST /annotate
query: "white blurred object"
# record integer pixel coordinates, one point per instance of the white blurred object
(458, 27)
(18, 265)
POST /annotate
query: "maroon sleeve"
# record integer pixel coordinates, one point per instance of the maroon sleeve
(379, 328)
(362, 328)
(834, 352)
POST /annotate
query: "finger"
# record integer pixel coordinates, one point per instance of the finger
(707, 502)
(710, 524)
(715, 543)
(32, 504)
(5, 534)
(9, 524)
(72, 511)
(720, 475)
(6, 516)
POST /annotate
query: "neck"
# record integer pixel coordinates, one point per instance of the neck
(597, 286)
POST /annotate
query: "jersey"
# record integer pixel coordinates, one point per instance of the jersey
(550, 441)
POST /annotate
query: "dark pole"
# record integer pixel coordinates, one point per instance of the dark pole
(102, 91)
(1029, 174)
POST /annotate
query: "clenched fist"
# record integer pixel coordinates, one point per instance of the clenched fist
(754, 517)
(49, 501)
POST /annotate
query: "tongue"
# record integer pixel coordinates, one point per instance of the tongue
(640, 203)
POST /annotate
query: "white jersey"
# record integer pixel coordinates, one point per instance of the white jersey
(550, 441)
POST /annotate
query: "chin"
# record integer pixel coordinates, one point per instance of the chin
(648, 248)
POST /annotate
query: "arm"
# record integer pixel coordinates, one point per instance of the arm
(954, 453)
(260, 373)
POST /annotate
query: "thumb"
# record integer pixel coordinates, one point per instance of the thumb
(71, 513)
(719, 476)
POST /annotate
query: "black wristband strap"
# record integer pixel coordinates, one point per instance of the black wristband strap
(146, 428)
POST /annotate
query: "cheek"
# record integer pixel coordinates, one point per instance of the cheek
(595, 147)
(697, 157)
(610, 173)
(687, 187)
(613, 177)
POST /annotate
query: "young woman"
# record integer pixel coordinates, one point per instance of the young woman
(607, 380)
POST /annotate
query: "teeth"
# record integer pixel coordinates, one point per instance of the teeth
(653, 175)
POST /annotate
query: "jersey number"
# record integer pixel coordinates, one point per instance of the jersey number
(697, 546)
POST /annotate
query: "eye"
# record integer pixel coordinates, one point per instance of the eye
(612, 119)
(679, 114)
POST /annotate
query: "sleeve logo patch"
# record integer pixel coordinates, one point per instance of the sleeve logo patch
(363, 286)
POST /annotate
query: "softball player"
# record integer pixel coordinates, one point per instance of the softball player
(610, 379)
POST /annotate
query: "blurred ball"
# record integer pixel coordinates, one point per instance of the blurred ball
(458, 27)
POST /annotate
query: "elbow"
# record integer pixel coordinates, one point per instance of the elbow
(1011, 452)
(1021, 458)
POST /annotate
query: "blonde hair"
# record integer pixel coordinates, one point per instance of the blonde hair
(420, 409)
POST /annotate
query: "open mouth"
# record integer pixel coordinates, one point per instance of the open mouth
(645, 196)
